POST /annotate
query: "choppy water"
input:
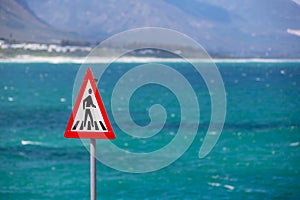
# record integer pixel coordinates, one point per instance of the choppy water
(256, 157)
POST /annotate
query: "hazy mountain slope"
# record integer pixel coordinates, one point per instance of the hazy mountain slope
(255, 25)
(101, 18)
(19, 23)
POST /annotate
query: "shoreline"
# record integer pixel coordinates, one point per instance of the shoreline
(81, 60)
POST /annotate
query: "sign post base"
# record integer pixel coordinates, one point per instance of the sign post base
(93, 168)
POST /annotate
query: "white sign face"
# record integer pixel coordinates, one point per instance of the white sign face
(88, 117)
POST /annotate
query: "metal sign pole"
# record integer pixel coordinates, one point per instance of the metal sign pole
(93, 168)
(93, 165)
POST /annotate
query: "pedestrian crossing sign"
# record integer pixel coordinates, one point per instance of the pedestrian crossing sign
(89, 118)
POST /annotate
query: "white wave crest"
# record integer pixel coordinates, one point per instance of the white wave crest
(27, 142)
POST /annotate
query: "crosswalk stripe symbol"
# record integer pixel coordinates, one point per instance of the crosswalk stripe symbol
(89, 118)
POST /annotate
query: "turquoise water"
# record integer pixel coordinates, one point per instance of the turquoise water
(256, 157)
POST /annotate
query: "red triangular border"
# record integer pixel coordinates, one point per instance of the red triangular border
(93, 135)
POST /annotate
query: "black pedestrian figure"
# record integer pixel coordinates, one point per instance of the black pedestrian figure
(87, 104)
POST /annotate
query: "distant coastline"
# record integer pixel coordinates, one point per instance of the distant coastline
(132, 59)
(24, 52)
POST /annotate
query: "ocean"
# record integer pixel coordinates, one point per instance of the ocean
(256, 157)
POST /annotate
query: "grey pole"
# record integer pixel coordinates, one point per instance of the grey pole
(93, 168)
(93, 165)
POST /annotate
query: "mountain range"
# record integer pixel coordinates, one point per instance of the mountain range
(232, 27)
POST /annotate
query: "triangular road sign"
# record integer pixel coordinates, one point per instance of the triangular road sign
(89, 118)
